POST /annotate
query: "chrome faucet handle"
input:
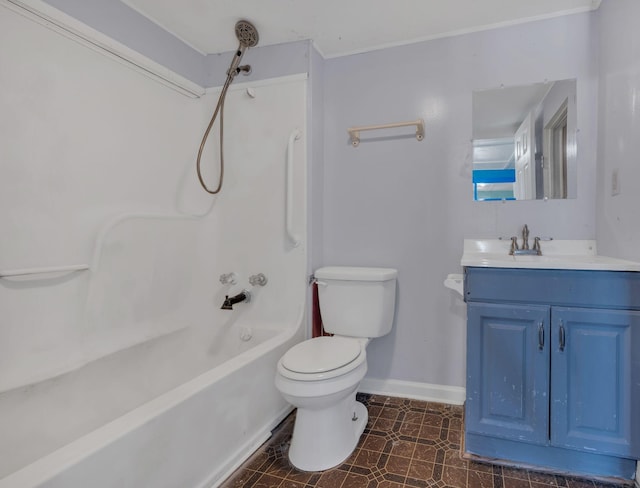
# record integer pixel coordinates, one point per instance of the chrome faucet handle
(514, 245)
(259, 279)
(228, 278)
(536, 246)
(525, 237)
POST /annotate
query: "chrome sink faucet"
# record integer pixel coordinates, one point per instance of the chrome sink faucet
(516, 250)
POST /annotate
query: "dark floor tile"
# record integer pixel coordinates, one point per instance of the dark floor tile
(454, 477)
(267, 481)
(389, 484)
(373, 442)
(413, 417)
(355, 480)
(407, 443)
(402, 448)
(477, 479)
(242, 479)
(420, 470)
(397, 465)
(579, 483)
(515, 473)
(331, 479)
(429, 432)
(424, 452)
(366, 458)
(542, 478)
(292, 484)
(452, 458)
(410, 429)
(515, 482)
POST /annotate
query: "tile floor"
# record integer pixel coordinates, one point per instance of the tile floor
(407, 443)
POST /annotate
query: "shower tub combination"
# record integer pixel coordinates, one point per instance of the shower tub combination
(145, 382)
(192, 435)
(173, 393)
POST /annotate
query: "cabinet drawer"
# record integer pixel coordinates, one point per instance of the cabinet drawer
(589, 289)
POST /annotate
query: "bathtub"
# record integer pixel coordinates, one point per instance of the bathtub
(203, 413)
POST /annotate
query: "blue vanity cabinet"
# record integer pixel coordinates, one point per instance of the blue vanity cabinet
(553, 368)
(594, 404)
(508, 371)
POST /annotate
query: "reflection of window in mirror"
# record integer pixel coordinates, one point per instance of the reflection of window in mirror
(555, 168)
(524, 141)
(494, 169)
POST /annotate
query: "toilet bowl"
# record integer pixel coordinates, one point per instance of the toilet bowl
(321, 376)
(329, 420)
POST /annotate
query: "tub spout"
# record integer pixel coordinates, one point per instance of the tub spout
(229, 302)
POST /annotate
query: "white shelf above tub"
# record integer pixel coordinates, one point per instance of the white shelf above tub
(24, 272)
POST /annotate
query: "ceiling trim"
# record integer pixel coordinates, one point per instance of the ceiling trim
(461, 32)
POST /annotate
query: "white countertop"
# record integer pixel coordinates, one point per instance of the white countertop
(556, 254)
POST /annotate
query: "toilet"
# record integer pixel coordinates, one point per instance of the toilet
(320, 376)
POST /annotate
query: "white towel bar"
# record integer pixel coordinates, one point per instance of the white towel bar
(354, 132)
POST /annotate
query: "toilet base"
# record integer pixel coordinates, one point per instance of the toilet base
(326, 437)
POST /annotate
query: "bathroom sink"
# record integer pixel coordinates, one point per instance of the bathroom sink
(556, 254)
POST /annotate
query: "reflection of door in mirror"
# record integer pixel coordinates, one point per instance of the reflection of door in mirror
(555, 168)
(525, 186)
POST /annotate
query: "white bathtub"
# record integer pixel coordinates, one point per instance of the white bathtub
(167, 414)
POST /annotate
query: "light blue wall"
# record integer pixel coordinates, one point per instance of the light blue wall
(125, 25)
(266, 62)
(408, 204)
(399, 202)
(316, 157)
(619, 129)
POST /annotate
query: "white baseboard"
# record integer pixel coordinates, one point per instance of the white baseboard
(454, 395)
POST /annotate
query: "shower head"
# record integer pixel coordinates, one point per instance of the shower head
(247, 34)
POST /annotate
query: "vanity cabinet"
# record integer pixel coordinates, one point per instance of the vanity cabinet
(553, 368)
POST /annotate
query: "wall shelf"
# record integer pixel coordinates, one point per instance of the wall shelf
(10, 273)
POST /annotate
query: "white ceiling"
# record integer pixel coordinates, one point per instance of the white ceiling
(341, 27)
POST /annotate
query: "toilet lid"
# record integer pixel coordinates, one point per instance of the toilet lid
(321, 354)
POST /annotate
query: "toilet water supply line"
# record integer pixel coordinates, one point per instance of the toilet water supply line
(294, 238)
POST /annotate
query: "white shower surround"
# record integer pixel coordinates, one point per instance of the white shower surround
(97, 142)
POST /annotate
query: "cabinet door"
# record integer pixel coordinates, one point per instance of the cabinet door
(595, 381)
(508, 371)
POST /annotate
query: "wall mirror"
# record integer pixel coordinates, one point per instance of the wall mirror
(524, 142)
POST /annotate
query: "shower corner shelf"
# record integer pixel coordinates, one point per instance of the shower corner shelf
(354, 132)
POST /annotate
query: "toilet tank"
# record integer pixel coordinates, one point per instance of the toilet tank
(357, 302)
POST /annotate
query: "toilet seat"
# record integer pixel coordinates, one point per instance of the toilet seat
(322, 358)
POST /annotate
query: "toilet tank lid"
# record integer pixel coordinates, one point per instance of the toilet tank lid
(353, 273)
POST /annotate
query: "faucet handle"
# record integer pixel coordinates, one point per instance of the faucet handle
(514, 245)
(258, 279)
(228, 278)
(536, 246)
